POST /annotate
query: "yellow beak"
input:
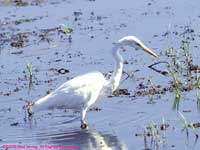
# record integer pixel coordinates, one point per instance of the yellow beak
(146, 49)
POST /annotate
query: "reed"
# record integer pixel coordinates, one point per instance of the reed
(30, 71)
(176, 88)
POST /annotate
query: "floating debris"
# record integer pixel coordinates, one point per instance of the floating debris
(95, 109)
(17, 44)
(121, 92)
(162, 90)
(63, 71)
(14, 124)
(20, 3)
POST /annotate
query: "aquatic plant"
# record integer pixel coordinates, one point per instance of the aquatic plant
(30, 71)
(176, 88)
(163, 128)
(150, 80)
(187, 53)
(197, 85)
(66, 29)
(29, 68)
(153, 130)
(186, 125)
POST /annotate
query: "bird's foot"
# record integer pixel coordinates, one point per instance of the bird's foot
(83, 126)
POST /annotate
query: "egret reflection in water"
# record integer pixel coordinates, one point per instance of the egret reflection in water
(83, 140)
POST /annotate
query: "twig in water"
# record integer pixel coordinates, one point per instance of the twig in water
(165, 73)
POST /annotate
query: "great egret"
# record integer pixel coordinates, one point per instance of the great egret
(84, 90)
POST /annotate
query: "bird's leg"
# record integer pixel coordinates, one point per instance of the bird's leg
(83, 122)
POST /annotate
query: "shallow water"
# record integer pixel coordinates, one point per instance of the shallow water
(96, 25)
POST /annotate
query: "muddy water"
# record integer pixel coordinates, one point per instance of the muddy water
(30, 33)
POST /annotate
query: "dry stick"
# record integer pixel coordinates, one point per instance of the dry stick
(128, 76)
(193, 67)
(157, 70)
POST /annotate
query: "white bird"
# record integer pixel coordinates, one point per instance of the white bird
(84, 90)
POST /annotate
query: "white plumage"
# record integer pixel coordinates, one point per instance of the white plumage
(82, 91)
(74, 94)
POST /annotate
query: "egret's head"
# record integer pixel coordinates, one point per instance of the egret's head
(136, 43)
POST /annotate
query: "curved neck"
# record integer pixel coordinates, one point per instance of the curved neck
(116, 76)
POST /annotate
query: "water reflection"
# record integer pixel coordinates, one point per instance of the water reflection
(84, 140)
(49, 130)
